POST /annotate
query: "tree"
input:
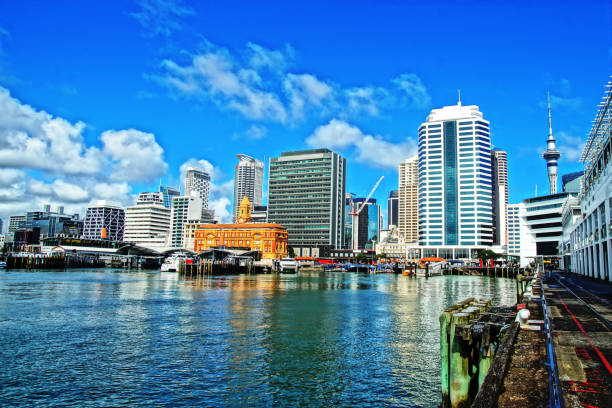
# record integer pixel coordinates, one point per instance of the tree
(486, 254)
(290, 252)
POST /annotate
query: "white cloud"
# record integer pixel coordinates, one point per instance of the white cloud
(10, 176)
(257, 84)
(35, 139)
(214, 76)
(571, 147)
(275, 60)
(161, 17)
(413, 90)
(137, 156)
(223, 208)
(366, 100)
(69, 192)
(45, 159)
(257, 132)
(562, 102)
(370, 149)
(306, 90)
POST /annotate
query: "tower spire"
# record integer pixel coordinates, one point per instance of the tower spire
(550, 134)
(459, 92)
(551, 154)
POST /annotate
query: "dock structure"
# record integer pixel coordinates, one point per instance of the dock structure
(559, 355)
(470, 335)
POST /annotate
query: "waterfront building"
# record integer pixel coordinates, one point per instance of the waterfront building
(393, 208)
(391, 243)
(543, 218)
(455, 207)
(572, 182)
(514, 230)
(499, 161)
(591, 235)
(408, 200)
(260, 214)
(269, 239)
(208, 217)
(150, 198)
(167, 194)
(147, 223)
(184, 209)
(51, 224)
(15, 222)
(306, 193)
(248, 182)
(199, 181)
(365, 225)
(551, 155)
(105, 220)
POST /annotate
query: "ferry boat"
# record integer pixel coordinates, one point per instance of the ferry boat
(2, 264)
(172, 263)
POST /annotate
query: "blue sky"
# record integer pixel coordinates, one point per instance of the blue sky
(101, 99)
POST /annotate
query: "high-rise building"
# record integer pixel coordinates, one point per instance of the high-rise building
(51, 224)
(184, 209)
(248, 182)
(499, 160)
(392, 208)
(150, 198)
(408, 215)
(105, 220)
(197, 180)
(590, 243)
(15, 222)
(455, 200)
(348, 221)
(306, 194)
(514, 230)
(148, 222)
(572, 182)
(551, 155)
(260, 214)
(366, 225)
(1, 226)
(167, 194)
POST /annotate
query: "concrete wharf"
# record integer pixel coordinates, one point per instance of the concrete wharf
(560, 357)
(581, 313)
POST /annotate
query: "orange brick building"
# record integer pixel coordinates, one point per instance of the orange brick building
(270, 239)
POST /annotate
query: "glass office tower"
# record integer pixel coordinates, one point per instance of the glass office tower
(455, 183)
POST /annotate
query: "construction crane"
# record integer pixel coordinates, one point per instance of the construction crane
(356, 212)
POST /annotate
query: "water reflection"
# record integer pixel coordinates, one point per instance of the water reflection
(148, 338)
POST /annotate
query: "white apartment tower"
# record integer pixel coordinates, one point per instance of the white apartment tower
(148, 222)
(248, 181)
(105, 220)
(197, 180)
(499, 160)
(455, 201)
(408, 199)
(184, 209)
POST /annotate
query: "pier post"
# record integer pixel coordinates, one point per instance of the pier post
(459, 364)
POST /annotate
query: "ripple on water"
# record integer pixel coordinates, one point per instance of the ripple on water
(107, 338)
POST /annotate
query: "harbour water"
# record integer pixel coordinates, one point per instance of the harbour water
(117, 338)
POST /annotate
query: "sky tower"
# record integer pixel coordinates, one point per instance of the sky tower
(551, 155)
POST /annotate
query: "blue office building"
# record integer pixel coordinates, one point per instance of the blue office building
(455, 181)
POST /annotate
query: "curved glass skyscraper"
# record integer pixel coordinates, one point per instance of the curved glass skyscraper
(455, 184)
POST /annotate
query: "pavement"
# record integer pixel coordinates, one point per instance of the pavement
(582, 341)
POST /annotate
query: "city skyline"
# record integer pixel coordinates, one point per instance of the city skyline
(100, 131)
